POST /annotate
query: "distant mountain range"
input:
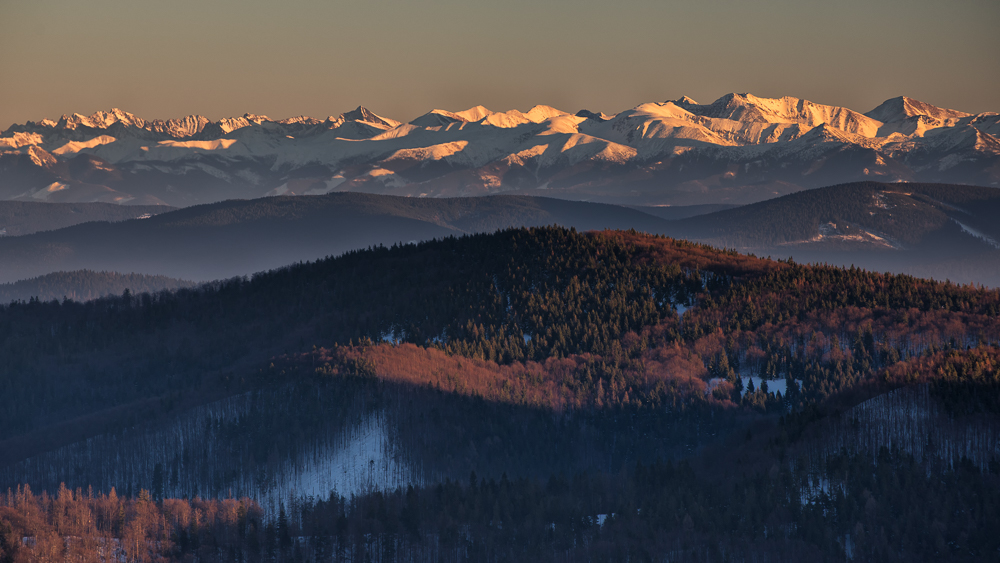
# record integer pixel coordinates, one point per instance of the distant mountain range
(933, 230)
(739, 149)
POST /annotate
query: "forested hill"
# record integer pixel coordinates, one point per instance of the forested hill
(517, 295)
(905, 215)
(565, 395)
(239, 237)
(83, 285)
(928, 230)
(26, 217)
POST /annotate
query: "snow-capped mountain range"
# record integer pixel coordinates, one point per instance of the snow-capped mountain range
(738, 149)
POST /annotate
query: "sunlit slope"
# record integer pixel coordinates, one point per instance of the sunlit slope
(738, 149)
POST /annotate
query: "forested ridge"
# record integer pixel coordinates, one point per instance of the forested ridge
(26, 217)
(941, 231)
(84, 285)
(909, 214)
(602, 330)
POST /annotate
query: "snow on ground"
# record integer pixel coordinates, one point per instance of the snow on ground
(21, 139)
(204, 452)
(773, 385)
(200, 145)
(366, 461)
(979, 235)
(74, 147)
(43, 194)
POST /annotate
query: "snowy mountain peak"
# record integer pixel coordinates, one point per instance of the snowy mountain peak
(436, 118)
(747, 109)
(673, 151)
(476, 113)
(587, 114)
(179, 128)
(540, 113)
(901, 108)
(363, 115)
(40, 157)
(300, 119)
(100, 120)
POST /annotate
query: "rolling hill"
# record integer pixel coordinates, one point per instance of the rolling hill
(930, 230)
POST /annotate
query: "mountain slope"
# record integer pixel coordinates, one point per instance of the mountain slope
(906, 214)
(933, 230)
(739, 149)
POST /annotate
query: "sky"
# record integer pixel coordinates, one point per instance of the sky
(402, 58)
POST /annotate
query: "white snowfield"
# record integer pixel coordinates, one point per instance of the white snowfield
(441, 150)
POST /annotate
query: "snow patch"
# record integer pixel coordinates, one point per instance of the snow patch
(74, 147)
(20, 139)
(978, 234)
(200, 145)
(279, 191)
(773, 385)
(45, 193)
(433, 152)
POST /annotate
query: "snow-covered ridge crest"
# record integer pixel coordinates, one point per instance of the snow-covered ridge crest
(732, 112)
(665, 149)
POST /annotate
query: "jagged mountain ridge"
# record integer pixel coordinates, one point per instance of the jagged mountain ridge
(738, 149)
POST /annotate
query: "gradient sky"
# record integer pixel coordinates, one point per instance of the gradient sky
(219, 58)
